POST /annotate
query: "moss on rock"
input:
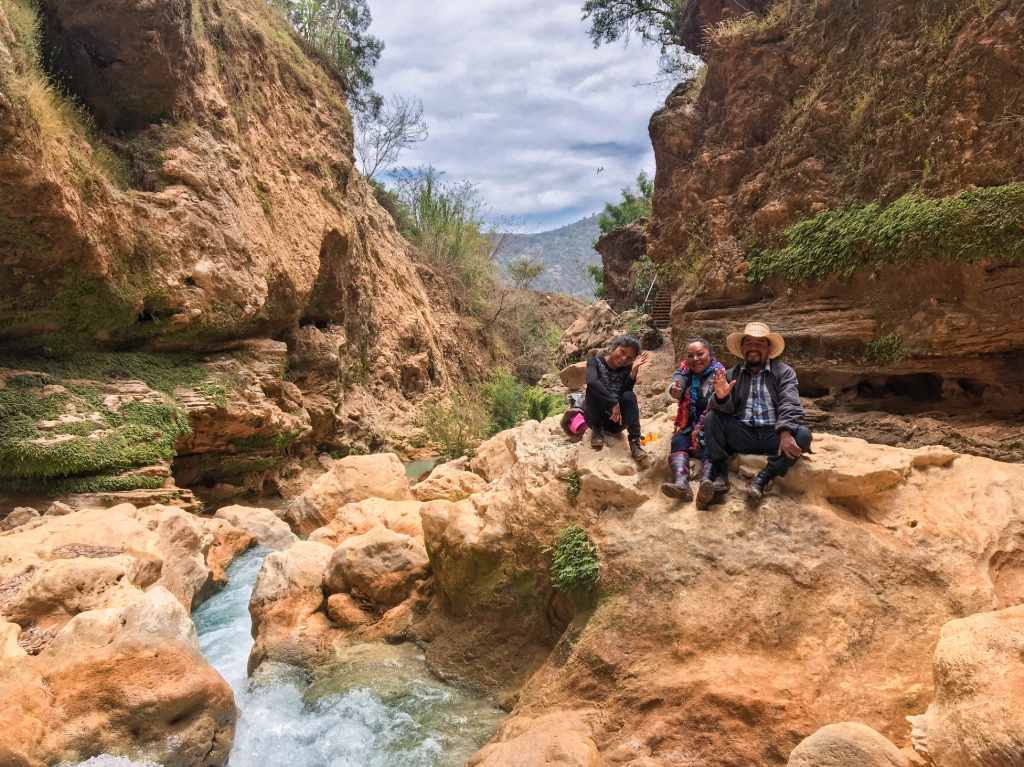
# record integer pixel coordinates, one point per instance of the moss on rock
(967, 227)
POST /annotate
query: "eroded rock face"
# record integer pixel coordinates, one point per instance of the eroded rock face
(976, 719)
(724, 637)
(354, 478)
(449, 482)
(757, 145)
(620, 250)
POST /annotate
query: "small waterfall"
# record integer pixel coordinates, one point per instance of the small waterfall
(377, 707)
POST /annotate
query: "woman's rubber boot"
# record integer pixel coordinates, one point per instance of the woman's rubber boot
(679, 487)
(706, 489)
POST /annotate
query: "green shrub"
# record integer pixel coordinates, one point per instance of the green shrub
(574, 563)
(967, 227)
(885, 350)
(509, 402)
(596, 274)
(456, 425)
(631, 208)
(447, 227)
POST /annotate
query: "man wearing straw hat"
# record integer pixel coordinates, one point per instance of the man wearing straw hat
(756, 409)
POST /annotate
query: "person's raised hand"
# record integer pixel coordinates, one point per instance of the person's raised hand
(722, 387)
(788, 446)
(639, 362)
(675, 390)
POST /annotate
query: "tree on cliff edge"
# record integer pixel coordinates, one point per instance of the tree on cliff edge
(336, 31)
(654, 21)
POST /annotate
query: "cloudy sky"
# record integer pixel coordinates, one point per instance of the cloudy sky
(519, 102)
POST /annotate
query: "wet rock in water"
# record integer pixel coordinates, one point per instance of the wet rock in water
(449, 482)
(345, 612)
(847, 744)
(262, 524)
(353, 478)
(558, 739)
(977, 719)
(286, 603)
(379, 565)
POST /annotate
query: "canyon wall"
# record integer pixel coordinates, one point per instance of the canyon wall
(850, 173)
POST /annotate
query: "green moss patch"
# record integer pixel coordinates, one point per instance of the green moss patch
(89, 447)
(965, 228)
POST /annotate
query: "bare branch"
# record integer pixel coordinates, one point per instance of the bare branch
(381, 138)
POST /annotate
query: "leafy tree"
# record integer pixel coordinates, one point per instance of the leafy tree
(653, 21)
(336, 31)
(384, 134)
(525, 271)
(632, 207)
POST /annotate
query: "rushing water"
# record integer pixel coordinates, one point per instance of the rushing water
(378, 706)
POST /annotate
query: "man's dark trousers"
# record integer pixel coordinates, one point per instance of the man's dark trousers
(599, 419)
(726, 434)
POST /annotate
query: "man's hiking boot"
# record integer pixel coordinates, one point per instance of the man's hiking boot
(638, 453)
(758, 487)
(597, 439)
(705, 494)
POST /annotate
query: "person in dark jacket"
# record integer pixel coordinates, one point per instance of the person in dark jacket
(756, 409)
(693, 386)
(610, 404)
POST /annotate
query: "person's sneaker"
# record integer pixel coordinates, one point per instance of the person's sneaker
(705, 494)
(638, 453)
(681, 492)
(597, 440)
(758, 487)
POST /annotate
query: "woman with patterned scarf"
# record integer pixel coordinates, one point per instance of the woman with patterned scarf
(693, 386)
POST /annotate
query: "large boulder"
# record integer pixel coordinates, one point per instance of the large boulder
(556, 739)
(125, 680)
(287, 621)
(353, 478)
(357, 518)
(847, 744)
(379, 565)
(262, 524)
(977, 719)
(449, 482)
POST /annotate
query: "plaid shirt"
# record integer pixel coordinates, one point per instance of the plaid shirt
(759, 409)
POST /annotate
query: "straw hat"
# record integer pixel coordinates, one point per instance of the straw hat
(776, 344)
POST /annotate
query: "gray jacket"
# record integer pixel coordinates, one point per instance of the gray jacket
(783, 388)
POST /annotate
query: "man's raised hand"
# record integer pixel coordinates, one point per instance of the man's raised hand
(722, 387)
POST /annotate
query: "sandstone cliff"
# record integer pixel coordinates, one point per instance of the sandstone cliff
(192, 270)
(850, 173)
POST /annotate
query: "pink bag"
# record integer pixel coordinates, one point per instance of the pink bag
(578, 424)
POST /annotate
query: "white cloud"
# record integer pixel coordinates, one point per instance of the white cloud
(520, 102)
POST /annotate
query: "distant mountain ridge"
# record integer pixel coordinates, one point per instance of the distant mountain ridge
(565, 252)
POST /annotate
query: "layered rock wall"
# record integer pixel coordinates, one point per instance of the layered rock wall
(810, 113)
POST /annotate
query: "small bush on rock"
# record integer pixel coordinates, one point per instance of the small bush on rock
(574, 562)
